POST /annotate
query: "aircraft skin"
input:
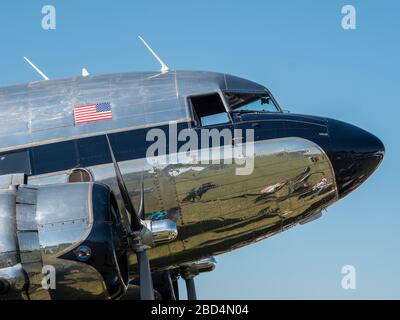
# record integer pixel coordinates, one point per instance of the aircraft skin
(303, 164)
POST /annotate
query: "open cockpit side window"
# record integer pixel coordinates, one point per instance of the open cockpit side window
(209, 109)
(249, 102)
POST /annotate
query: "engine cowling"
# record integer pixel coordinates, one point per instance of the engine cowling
(63, 241)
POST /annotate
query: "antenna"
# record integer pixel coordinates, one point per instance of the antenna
(36, 69)
(85, 73)
(164, 67)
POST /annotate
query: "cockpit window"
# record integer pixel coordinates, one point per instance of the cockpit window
(209, 110)
(248, 103)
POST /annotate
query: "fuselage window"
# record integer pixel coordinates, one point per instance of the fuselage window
(209, 110)
(18, 162)
(247, 103)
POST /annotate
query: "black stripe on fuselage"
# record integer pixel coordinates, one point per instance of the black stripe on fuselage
(132, 144)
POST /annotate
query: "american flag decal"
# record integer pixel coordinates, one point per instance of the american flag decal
(93, 113)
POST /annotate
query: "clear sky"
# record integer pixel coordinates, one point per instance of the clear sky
(299, 50)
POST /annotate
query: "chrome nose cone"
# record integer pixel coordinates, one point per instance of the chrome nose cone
(354, 153)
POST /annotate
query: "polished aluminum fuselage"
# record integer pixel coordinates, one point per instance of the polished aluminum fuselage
(215, 210)
(292, 181)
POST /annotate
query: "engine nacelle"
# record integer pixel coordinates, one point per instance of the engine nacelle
(61, 241)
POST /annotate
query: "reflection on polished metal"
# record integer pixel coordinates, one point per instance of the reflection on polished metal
(311, 218)
(194, 209)
(29, 241)
(12, 277)
(293, 178)
(4, 286)
(189, 271)
(45, 226)
(201, 266)
(355, 159)
(12, 281)
(138, 233)
(162, 230)
(8, 243)
(206, 265)
(64, 214)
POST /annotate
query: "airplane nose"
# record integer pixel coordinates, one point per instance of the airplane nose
(355, 154)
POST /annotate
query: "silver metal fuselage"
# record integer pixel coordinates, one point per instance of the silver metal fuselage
(293, 178)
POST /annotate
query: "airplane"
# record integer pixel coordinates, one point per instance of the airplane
(84, 214)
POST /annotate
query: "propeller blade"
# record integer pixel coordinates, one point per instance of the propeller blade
(146, 281)
(135, 220)
(141, 212)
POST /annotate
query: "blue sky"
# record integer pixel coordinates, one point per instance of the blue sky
(313, 66)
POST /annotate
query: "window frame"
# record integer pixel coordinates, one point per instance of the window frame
(255, 93)
(196, 121)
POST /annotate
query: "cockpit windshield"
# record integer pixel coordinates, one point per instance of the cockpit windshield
(250, 103)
